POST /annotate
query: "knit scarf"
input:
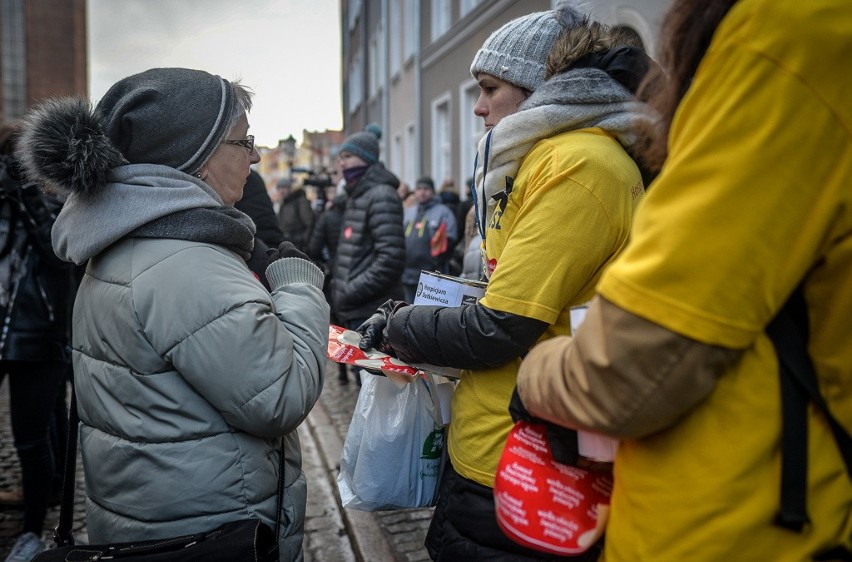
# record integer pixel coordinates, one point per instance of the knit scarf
(223, 226)
(577, 99)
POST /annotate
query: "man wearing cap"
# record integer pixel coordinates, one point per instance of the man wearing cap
(295, 216)
(371, 249)
(430, 235)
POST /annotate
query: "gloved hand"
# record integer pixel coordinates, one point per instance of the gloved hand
(563, 441)
(374, 330)
(286, 250)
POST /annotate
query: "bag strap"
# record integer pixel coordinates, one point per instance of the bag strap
(62, 535)
(789, 334)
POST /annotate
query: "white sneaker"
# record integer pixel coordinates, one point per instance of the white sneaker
(26, 548)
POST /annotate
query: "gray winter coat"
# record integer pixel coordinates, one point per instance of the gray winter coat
(188, 372)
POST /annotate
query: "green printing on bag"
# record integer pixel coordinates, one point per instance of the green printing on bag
(433, 445)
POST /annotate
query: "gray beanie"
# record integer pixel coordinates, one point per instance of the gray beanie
(171, 116)
(517, 52)
(365, 144)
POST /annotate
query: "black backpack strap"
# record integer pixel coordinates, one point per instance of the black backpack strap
(789, 334)
(62, 535)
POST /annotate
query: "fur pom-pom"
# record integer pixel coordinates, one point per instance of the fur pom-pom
(571, 13)
(64, 148)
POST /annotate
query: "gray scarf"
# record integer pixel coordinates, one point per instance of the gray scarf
(578, 99)
(223, 226)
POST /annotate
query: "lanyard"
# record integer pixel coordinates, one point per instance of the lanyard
(480, 208)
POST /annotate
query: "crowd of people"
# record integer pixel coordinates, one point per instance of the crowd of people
(688, 202)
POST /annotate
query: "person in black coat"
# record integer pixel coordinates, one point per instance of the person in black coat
(371, 249)
(322, 248)
(258, 206)
(36, 295)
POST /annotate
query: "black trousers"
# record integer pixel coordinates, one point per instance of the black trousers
(464, 527)
(34, 388)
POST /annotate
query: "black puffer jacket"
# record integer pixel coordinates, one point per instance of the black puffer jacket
(322, 247)
(371, 249)
(36, 287)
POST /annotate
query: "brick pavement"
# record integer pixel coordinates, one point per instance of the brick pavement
(332, 533)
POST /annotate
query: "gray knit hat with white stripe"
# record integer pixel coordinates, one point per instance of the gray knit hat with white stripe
(517, 52)
(171, 116)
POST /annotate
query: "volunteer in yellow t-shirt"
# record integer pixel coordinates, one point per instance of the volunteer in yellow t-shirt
(754, 199)
(555, 196)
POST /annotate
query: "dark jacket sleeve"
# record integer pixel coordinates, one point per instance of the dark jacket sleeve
(467, 337)
(258, 261)
(257, 205)
(306, 216)
(318, 239)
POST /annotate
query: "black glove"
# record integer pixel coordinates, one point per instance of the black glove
(374, 330)
(286, 250)
(563, 441)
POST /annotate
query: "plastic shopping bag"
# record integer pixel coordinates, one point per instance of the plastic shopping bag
(395, 448)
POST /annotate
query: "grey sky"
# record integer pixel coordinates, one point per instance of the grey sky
(287, 51)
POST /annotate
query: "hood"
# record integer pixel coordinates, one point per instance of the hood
(133, 196)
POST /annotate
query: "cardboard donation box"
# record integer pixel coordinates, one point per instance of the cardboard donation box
(438, 289)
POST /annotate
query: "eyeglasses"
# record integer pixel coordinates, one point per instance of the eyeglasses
(247, 143)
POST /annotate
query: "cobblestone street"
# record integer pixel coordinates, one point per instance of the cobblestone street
(332, 533)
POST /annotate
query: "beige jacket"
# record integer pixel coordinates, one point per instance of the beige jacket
(620, 375)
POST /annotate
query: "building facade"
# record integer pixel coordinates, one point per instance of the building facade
(308, 164)
(42, 52)
(406, 66)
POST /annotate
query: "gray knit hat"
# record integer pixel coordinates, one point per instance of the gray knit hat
(517, 52)
(365, 144)
(171, 116)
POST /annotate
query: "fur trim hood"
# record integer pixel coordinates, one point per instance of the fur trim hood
(64, 147)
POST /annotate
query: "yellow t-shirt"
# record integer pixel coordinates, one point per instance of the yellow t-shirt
(756, 194)
(568, 215)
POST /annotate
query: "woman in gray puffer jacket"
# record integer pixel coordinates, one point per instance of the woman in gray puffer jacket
(189, 374)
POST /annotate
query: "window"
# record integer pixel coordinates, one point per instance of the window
(377, 62)
(410, 26)
(13, 63)
(470, 134)
(409, 167)
(440, 18)
(353, 10)
(395, 39)
(467, 6)
(441, 139)
(356, 81)
(396, 163)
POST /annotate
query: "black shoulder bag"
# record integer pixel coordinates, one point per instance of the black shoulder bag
(789, 334)
(247, 539)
